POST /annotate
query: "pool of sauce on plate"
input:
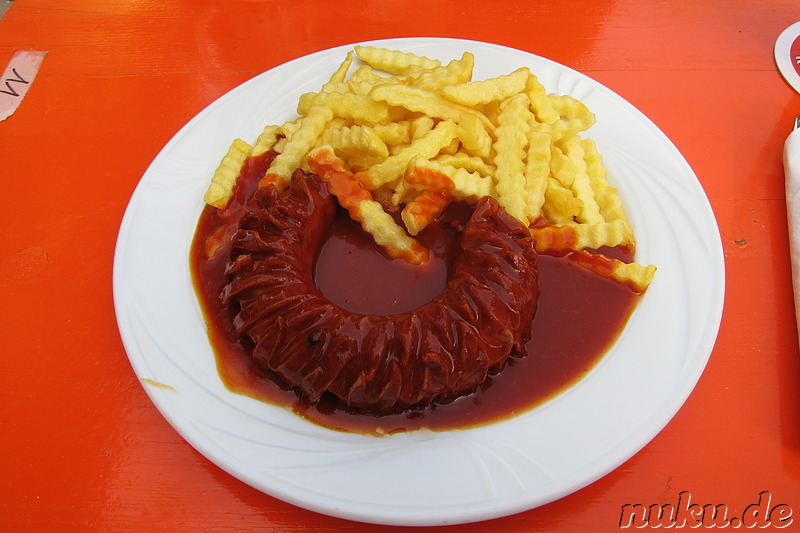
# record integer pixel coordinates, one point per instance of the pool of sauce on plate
(579, 317)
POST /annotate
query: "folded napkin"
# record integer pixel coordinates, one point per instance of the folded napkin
(791, 164)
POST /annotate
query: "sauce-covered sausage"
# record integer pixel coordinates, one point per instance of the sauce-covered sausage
(379, 364)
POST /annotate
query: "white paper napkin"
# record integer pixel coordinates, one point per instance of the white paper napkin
(791, 164)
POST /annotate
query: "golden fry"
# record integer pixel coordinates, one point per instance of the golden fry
(459, 183)
(511, 145)
(266, 140)
(607, 197)
(356, 142)
(456, 72)
(426, 102)
(474, 136)
(393, 61)
(572, 149)
(492, 90)
(537, 171)
(579, 236)
(634, 275)
(392, 168)
(341, 73)
(541, 105)
(575, 117)
(224, 178)
(469, 163)
(421, 211)
(393, 133)
(293, 155)
(346, 105)
(560, 205)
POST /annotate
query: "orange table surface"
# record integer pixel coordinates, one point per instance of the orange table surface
(82, 448)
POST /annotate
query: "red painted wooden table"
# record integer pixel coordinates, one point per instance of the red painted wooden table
(82, 448)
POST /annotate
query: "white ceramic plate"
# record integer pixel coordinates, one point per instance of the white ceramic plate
(424, 478)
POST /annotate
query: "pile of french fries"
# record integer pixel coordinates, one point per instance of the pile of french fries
(406, 134)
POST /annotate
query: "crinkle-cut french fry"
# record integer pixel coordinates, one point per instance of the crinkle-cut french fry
(569, 237)
(482, 92)
(279, 145)
(594, 164)
(363, 87)
(489, 160)
(365, 73)
(572, 108)
(365, 78)
(562, 168)
(388, 234)
(355, 142)
(358, 163)
(418, 213)
(455, 72)
(339, 122)
(294, 153)
(575, 117)
(266, 140)
(287, 129)
(420, 126)
(363, 208)
(369, 79)
(459, 183)
(344, 87)
(607, 196)
(635, 275)
(392, 168)
(474, 137)
(491, 111)
(364, 84)
(403, 193)
(223, 180)
(468, 162)
(346, 105)
(309, 100)
(510, 148)
(572, 149)
(560, 205)
(395, 149)
(393, 61)
(341, 73)
(394, 132)
(541, 105)
(424, 175)
(451, 148)
(537, 170)
(336, 87)
(426, 102)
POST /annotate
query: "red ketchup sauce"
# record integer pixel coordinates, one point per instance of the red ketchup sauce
(579, 316)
